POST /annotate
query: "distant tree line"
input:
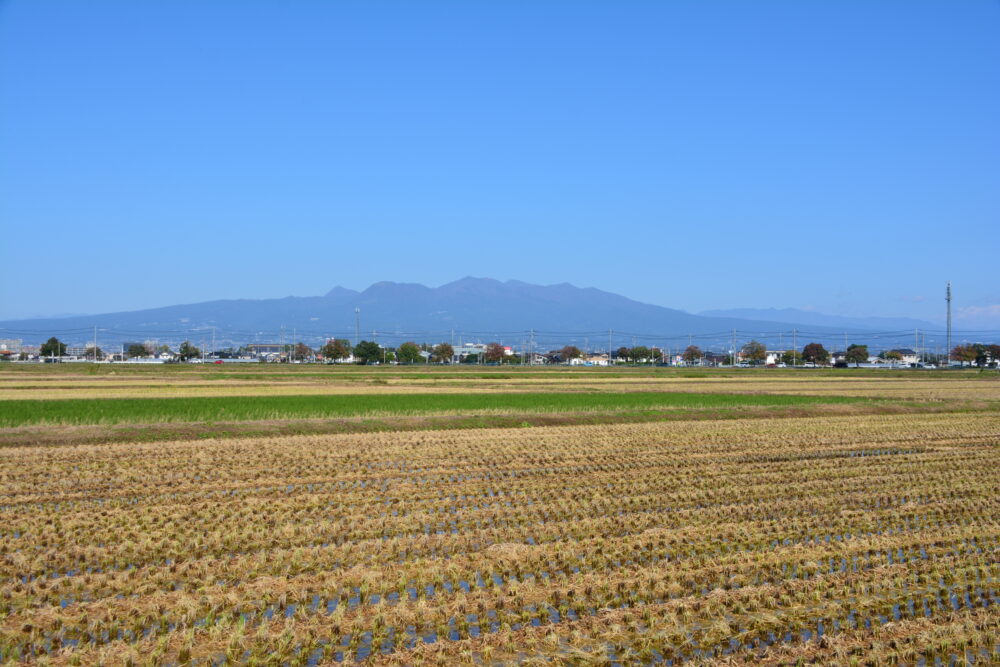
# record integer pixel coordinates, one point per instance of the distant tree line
(977, 354)
(370, 352)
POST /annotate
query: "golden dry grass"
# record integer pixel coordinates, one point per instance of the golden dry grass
(631, 541)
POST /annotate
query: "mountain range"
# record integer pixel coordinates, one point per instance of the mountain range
(472, 308)
(814, 319)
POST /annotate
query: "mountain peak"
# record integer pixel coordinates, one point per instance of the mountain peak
(340, 292)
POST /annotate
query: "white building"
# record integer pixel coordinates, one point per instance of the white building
(774, 357)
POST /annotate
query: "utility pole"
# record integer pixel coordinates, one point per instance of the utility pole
(948, 299)
(531, 354)
(357, 326)
(734, 347)
(609, 347)
(795, 347)
(213, 341)
(95, 343)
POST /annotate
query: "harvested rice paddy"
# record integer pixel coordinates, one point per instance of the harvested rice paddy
(860, 538)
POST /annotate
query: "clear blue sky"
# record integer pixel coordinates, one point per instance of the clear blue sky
(843, 156)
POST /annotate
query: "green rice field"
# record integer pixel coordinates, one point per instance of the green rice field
(245, 408)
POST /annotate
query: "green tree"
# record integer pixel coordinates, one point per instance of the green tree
(188, 351)
(136, 350)
(856, 354)
(569, 353)
(408, 353)
(754, 352)
(494, 353)
(302, 351)
(94, 353)
(53, 347)
(791, 357)
(982, 354)
(815, 353)
(639, 354)
(443, 353)
(692, 355)
(623, 354)
(367, 352)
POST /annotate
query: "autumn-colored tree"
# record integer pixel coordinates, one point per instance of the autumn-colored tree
(443, 353)
(815, 353)
(754, 352)
(692, 354)
(965, 354)
(892, 355)
(494, 353)
(336, 348)
(301, 351)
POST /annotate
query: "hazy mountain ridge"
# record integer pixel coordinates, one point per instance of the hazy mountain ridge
(813, 318)
(470, 307)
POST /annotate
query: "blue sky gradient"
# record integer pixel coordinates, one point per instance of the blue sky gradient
(842, 156)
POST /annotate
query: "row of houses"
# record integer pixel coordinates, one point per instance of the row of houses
(463, 353)
(908, 357)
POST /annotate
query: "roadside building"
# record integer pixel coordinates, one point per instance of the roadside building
(264, 350)
(910, 357)
(774, 357)
(462, 352)
(590, 360)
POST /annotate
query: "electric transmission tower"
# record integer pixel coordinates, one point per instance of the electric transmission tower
(947, 298)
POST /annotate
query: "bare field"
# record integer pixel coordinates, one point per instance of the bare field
(833, 535)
